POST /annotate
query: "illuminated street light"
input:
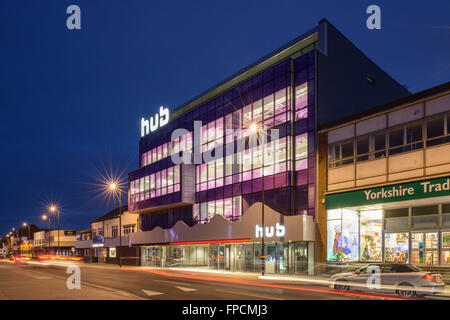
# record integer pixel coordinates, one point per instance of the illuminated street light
(114, 189)
(45, 217)
(24, 224)
(54, 208)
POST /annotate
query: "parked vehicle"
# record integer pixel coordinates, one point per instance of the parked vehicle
(403, 279)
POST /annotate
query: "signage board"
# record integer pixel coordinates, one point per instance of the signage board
(398, 192)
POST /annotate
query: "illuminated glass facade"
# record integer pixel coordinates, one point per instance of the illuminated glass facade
(281, 97)
(294, 90)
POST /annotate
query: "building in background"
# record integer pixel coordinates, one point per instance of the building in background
(21, 242)
(85, 235)
(209, 214)
(104, 244)
(384, 183)
(47, 242)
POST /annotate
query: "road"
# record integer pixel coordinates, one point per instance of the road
(112, 283)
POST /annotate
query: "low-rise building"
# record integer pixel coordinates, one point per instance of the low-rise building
(52, 242)
(384, 183)
(105, 244)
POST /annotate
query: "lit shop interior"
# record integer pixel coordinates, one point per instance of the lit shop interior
(413, 231)
(281, 257)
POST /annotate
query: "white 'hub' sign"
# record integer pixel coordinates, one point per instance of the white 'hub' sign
(279, 231)
(153, 123)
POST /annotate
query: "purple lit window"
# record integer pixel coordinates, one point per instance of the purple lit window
(301, 96)
(280, 119)
(302, 177)
(281, 180)
(301, 114)
(268, 183)
(246, 175)
(301, 164)
(228, 211)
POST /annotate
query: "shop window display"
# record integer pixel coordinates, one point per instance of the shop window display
(396, 247)
(417, 247)
(371, 235)
(431, 247)
(445, 248)
(342, 235)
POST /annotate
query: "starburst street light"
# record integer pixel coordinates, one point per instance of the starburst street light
(47, 217)
(257, 130)
(114, 189)
(53, 208)
(24, 224)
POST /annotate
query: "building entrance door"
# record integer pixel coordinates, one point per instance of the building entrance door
(239, 257)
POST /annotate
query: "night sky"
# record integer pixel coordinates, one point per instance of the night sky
(71, 101)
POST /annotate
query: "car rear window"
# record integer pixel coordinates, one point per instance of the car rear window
(404, 268)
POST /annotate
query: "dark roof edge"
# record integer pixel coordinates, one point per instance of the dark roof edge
(111, 214)
(364, 54)
(249, 67)
(390, 105)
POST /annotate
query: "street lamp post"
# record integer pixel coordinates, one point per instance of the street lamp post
(53, 209)
(257, 130)
(116, 189)
(44, 217)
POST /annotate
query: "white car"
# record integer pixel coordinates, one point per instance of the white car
(404, 279)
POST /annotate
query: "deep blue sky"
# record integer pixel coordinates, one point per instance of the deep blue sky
(71, 100)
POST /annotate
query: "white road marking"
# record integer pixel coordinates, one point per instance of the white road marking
(41, 277)
(249, 294)
(186, 289)
(174, 282)
(151, 293)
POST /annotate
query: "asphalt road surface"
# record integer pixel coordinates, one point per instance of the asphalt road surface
(111, 283)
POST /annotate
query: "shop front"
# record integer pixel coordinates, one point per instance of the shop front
(233, 246)
(402, 223)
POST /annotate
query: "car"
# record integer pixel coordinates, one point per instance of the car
(403, 279)
(11, 257)
(21, 259)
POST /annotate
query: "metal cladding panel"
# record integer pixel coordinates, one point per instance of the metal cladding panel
(297, 228)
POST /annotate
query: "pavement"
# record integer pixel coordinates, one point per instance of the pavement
(109, 282)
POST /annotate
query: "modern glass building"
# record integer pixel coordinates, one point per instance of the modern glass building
(387, 191)
(209, 213)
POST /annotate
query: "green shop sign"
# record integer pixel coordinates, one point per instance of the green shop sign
(408, 191)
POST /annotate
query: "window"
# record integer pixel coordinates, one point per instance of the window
(437, 130)
(127, 229)
(301, 96)
(342, 235)
(362, 148)
(340, 154)
(114, 232)
(371, 146)
(112, 252)
(370, 235)
(405, 138)
(156, 184)
(396, 247)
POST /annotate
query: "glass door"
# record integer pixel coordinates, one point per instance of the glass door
(221, 257)
(431, 248)
(271, 258)
(445, 248)
(301, 257)
(239, 256)
(417, 248)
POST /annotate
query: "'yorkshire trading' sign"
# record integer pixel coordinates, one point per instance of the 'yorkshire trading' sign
(408, 191)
